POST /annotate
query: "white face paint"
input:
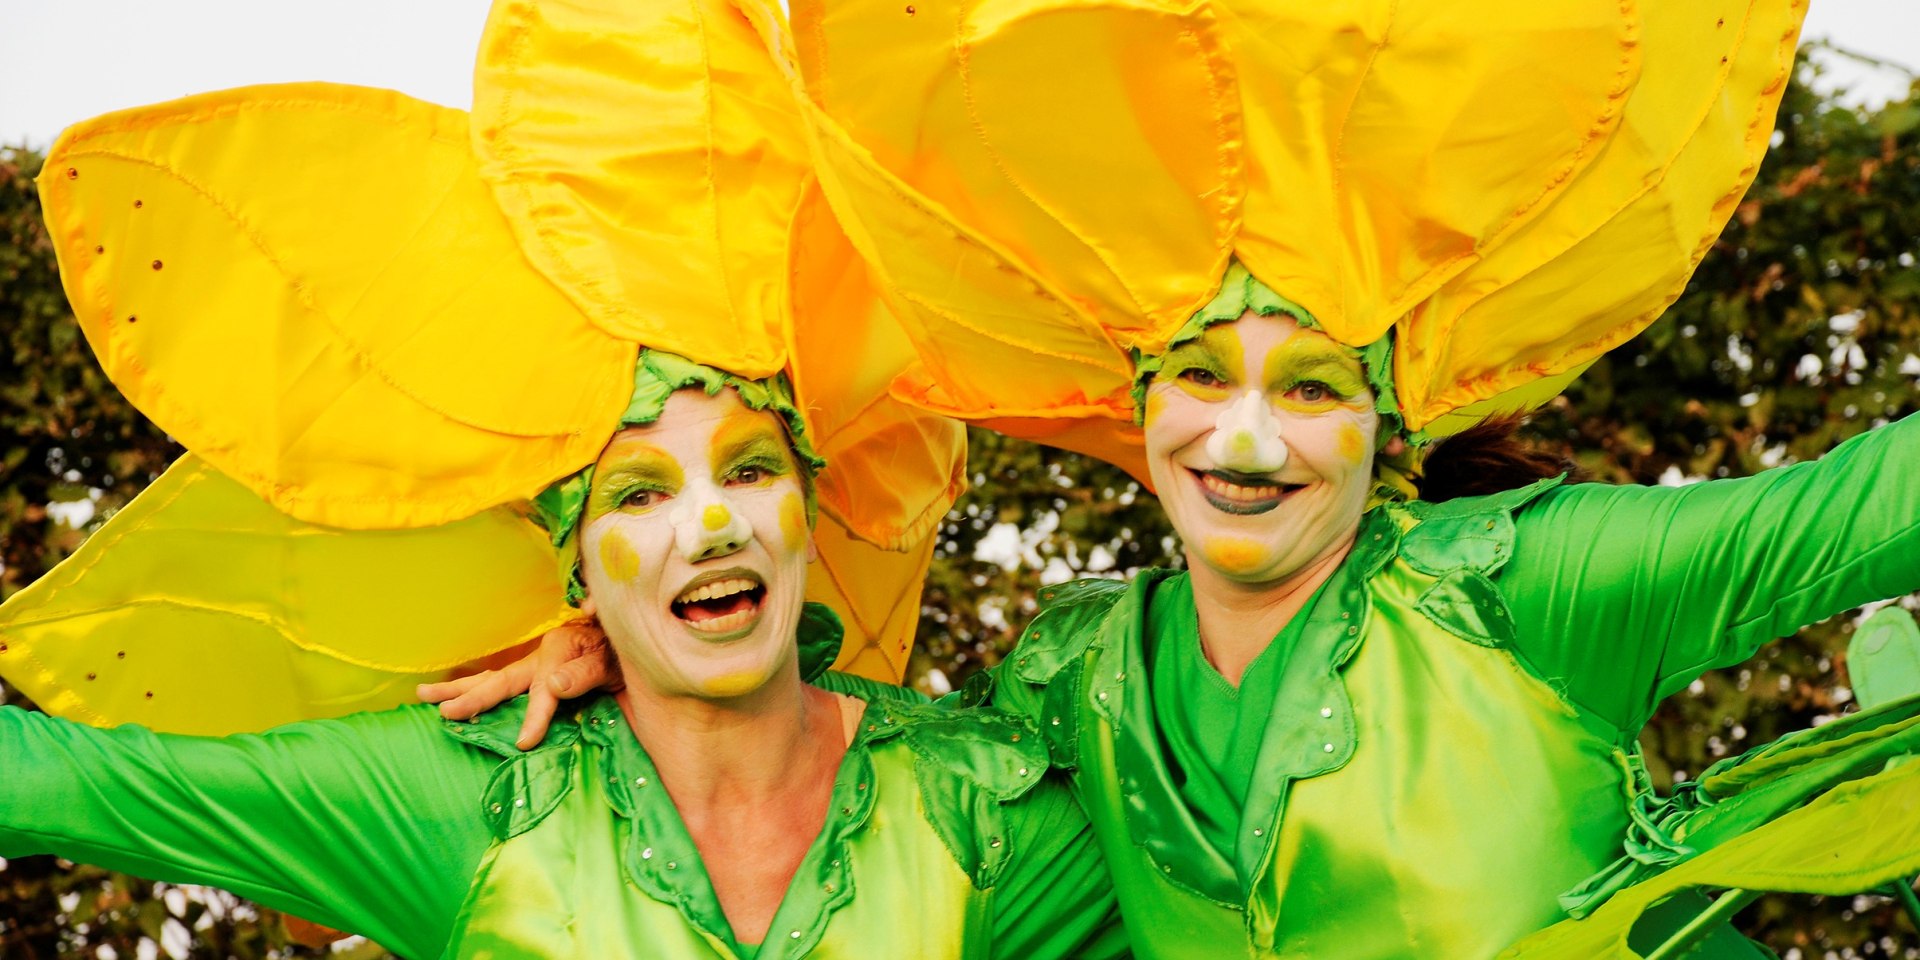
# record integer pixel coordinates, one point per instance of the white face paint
(1260, 441)
(695, 545)
(1246, 437)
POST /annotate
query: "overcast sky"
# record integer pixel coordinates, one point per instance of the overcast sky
(66, 60)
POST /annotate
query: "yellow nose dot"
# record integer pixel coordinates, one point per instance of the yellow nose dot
(716, 517)
(1243, 444)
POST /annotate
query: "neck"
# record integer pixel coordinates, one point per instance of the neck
(1238, 621)
(742, 751)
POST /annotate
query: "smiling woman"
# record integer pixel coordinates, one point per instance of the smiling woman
(384, 370)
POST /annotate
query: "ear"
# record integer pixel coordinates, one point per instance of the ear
(813, 550)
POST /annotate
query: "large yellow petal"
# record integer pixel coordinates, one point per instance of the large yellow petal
(1120, 185)
(199, 608)
(1618, 248)
(650, 158)
(1515, 187)
(893, 470)
(1390, 143)
(310, 286)
(877, 595)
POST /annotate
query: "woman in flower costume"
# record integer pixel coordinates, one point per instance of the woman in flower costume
(738, 799)
(1262, 255)
(1358, 724)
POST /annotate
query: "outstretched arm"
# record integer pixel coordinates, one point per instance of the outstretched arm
(1625, 594)
(370, 823)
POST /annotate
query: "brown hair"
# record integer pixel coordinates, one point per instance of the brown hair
(1488, 457)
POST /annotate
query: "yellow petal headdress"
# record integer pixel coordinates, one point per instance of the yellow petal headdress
(1044, 186)
(380, 334)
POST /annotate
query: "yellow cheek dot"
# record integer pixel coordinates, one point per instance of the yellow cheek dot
(716, 517)
(1353, 445)
(793, 518)
(617, 558)
(1233, 554)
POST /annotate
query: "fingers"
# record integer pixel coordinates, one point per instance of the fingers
(580, 676)
(489, 690)
(540, 706)
(445, 690)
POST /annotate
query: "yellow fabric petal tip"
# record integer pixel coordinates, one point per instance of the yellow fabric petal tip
(310, 286)
(199, 608)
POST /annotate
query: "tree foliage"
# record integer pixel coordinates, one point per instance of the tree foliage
(1801, 329)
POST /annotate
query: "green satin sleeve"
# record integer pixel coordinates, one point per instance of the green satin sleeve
(1622, 595)
(370, 823)
(1055, 897)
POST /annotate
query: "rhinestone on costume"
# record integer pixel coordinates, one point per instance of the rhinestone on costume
(795, 934)
(520, 802)
(156, 264)
(90, 676)
(1056, 721)
(673, 865)
(73, 174)
(1023, 771)
(1326, 711)
(1103, 694)
(910, 10)
(1259, 832)
(1327, 747)
(496, 808)
(149, 694)
(994, 843)
(640, 781)
(131, 318)
(646, 854)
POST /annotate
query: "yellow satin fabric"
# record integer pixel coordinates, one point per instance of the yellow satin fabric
(310, 287)
(1044, 185)
(201, 609)
(377, 319)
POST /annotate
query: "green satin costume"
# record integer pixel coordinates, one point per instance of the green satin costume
(1446, 741)
(946, 837)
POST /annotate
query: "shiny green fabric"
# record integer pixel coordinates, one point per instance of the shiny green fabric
(1453, 741)
(947, 838)
(1211, 740)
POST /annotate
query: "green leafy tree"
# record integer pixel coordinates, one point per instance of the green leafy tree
(1801, 329)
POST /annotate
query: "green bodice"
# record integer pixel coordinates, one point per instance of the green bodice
(591, 859)
(1420, 792)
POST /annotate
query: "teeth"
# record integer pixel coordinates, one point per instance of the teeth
(1234, 491)
(716, 589)
(726, 624)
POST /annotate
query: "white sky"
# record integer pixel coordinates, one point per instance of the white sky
(66, 60)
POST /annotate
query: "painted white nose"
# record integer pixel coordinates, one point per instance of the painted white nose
(1246, 437)
(706, 528)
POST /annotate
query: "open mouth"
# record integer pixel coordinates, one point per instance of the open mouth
(1241, 494)
(723, 604)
